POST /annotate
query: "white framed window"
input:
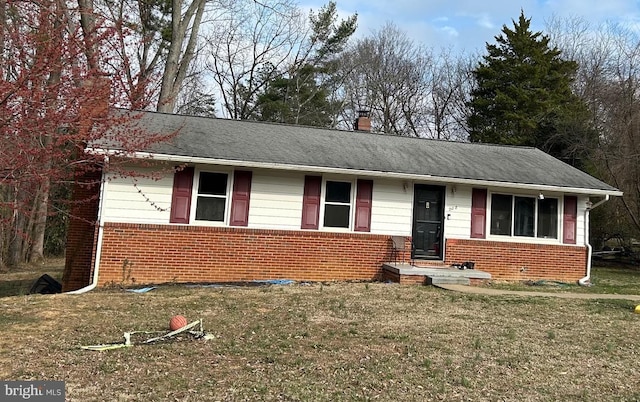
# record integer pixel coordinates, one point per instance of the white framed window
(524, 216)
(212, 196)
(548, 218)
(337, 202)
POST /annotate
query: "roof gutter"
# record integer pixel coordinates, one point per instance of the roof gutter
(96, 264)
(586, 281)
(371, 173)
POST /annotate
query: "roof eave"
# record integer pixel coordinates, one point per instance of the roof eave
(369, 173)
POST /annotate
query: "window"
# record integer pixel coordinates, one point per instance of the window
(548, 218)
(524, 216)
(212, 196)
(524, 212)
(337, 204)
(501, 214)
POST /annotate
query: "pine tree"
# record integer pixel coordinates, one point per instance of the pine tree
(302, 95)
(523, 96)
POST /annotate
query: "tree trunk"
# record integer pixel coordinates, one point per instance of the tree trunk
(3, 227)
(16, 237)
(88, 25)
(2, 245)
(41, 210)
(176, 67)
(3, 23)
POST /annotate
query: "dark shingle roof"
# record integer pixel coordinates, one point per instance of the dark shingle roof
(246, 141)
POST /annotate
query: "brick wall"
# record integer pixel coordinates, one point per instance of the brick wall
(389, 276)
(520, 261)
(143, 253)
(81, 233)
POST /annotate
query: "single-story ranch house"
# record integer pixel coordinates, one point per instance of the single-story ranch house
(245, 201)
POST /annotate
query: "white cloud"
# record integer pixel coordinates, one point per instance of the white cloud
(450, 31)
(484, 20)
(469, 24)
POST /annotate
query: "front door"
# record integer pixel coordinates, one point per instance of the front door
(428, 220)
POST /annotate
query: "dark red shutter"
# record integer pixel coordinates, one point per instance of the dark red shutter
(570, 217)
(311, 202)
(363, 206)
(478, 213)
(240, 198)
(181, 196)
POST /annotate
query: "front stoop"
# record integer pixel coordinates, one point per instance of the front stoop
(405, 274)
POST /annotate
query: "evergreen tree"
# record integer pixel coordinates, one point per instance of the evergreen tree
(523, 96)
(302, 95)
(297, 100)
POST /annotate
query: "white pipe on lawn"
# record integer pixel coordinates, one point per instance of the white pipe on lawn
(96, 264)
(585, 281)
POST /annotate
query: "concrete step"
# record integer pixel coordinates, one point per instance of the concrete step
(450, 280)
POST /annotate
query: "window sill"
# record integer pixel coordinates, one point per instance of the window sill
(524, 239)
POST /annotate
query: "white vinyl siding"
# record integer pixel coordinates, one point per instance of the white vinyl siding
(457, 212)
(392, 207)
(139, 200)
(276, 200)
(582, 206)
(276, 203)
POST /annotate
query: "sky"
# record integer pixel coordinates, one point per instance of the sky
(467, 25)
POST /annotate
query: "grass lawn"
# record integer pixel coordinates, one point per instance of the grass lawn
(326, 342)
(610, 279)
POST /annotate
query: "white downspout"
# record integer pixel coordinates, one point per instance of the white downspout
(96, 264)
(585, 281)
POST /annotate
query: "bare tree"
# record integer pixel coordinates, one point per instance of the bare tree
(608, 80)
(448, 89)
(196, 97)
(409, 89)
(305, 91)
(248, 47)
(388, 75)
(185, 26)
(139, 47)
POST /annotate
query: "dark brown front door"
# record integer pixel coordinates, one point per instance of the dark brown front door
(428, 220)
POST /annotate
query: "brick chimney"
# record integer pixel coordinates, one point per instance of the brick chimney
(95, 103)
(363, 123)
(97, 99)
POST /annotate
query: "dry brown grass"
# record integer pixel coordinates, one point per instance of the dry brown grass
(344, 341)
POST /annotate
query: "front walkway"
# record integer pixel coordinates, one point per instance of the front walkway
(497, 292)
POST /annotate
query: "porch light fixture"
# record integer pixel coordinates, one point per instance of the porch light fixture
(541, 196)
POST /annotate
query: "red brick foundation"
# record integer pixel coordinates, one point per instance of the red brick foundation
(143, 254)
(520, 261)
(389, 276)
